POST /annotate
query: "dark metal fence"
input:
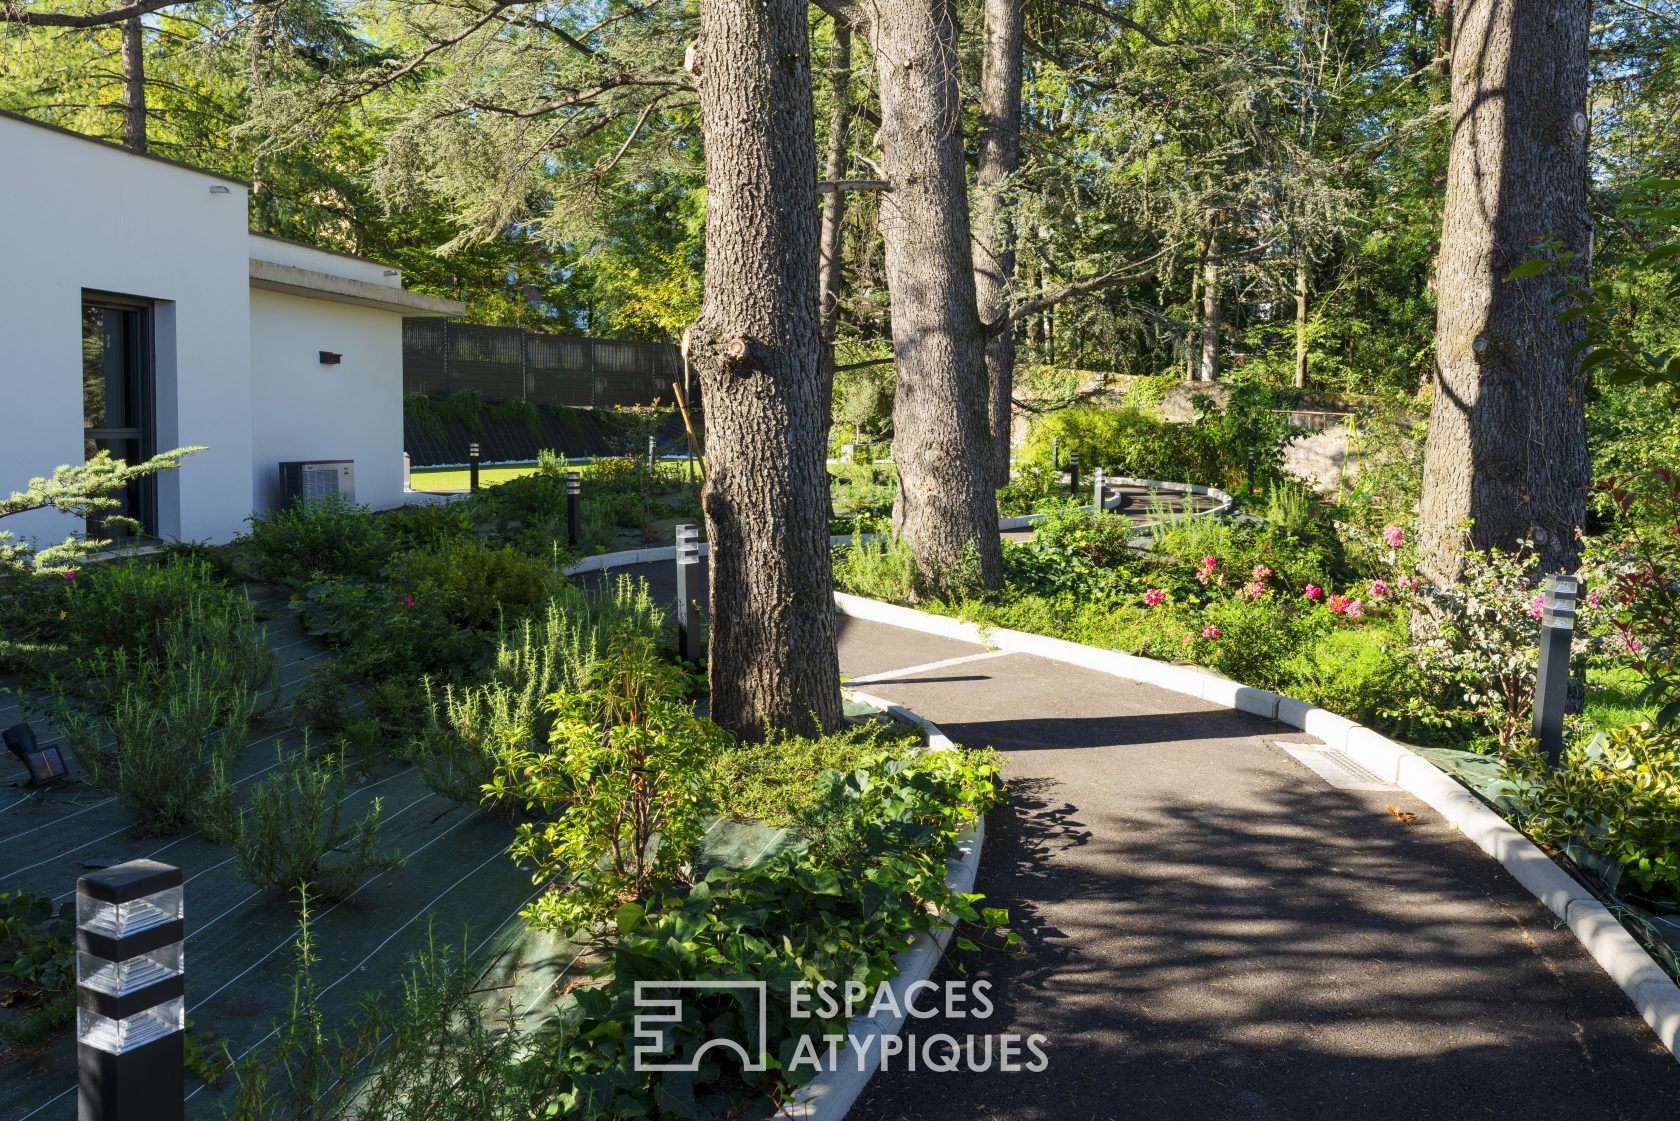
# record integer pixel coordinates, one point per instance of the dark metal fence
(513, 364)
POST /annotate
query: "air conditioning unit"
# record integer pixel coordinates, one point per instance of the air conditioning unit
(319, 478)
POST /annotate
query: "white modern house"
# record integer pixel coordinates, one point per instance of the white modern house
(139, 313)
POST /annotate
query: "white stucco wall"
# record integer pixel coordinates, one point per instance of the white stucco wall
(305, 410)
(75, 216)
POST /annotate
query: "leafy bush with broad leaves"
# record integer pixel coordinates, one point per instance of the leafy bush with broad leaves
(37, 966)
(1125, 440)
(625, 766)
(1619, 794)
(871, 875)
(837, 918)
(328, 536)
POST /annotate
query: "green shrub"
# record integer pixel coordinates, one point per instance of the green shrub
(884, 568)
(1365, 674)
(472, 584)
(442, 1053)
(327, 536)
(293, 833)
(123, 604)
(426, 527)
(37, 947)
(775, 780)
(175, 725)
(1619, 793)
(626, 760)
(1029, 487)
(471, 729)
(1126, 440)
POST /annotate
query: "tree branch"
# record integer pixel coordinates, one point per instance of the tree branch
(1128, 24)
(10, 12)
(1126, 274)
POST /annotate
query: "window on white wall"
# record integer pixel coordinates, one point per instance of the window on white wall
(118, 395)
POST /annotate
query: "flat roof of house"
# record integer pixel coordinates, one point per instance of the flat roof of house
(103, 143)
(320, 249)
(294, 281)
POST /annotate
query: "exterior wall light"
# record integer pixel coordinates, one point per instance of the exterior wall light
(43, 763)
(328, 358)
(130, 980)
(218, 189)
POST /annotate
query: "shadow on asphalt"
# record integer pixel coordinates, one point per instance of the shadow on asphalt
(1295, 956)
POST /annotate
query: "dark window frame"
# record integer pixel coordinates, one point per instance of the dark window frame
(142, 500)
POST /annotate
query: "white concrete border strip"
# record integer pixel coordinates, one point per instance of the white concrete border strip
(1027, 521)
(830, 1094)
(1654, 994)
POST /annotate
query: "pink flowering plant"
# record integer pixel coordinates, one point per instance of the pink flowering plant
(1634, 573)
(1480, 652)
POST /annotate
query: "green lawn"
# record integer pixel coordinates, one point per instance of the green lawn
(1613, 697)
(458, 478)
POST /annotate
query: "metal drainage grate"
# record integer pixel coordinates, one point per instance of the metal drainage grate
(1336, 768)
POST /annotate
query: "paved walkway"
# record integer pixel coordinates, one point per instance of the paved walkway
(1211, 930)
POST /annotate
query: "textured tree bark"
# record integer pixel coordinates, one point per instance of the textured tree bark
(1210, 304)
(757, 346)
(1507, 433)
(1300, 325)
(834, 169)
(942, 444)
(134, 85)
(1000, 158)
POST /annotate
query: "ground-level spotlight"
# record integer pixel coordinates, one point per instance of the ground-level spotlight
(130, 981)
(43, 763)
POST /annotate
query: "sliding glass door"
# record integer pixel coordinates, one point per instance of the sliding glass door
(117, 399)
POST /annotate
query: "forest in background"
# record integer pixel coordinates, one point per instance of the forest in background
(543, 163)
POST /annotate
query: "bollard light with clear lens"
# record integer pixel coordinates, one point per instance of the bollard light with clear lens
(688, 626)
(574, 507)
(130, 985)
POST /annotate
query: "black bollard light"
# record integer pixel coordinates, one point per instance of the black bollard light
(1073, 472)
(1250, 470)
(130, 980)
(472, 465)
(1056, 454)
(574, 507)
(1551, 679)
(688, 627)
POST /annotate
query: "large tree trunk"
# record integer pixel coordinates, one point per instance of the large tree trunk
(1209, 370)
(942, 444)
(1507, 435)
(757, 346)
(134, 85)
(834, 202)
(1000, 157)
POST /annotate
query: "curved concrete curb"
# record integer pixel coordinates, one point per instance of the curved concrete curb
(1652, 991)
(830, 1094)
(1027, 521)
